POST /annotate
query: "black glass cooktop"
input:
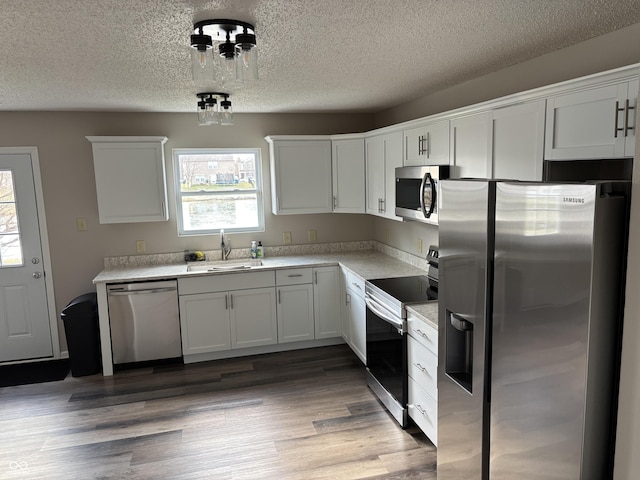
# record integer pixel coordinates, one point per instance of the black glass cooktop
(412, 289)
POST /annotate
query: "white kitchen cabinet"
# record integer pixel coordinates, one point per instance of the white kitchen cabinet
(348, 175)
(470, 146)
(383, 154)
(326, 301)
(295, 307)
(130, 179)
(253, 317)
(596, 123)
(355, 315)
(427, 144)
(300, 175)
(222, 312)
(422, 361)
(205, 323)
(517, 141)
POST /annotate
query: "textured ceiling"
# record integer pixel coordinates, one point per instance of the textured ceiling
(314, 55)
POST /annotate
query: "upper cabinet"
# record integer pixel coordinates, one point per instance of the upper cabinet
(592, 123)
(383, 154)
(130, 179)
(348, 175)
(300, 175)
(427, 144)
(470, 144)
(517, 141)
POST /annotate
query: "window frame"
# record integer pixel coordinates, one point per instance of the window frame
(258, 190)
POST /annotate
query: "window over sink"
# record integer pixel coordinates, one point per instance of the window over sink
(218, 189)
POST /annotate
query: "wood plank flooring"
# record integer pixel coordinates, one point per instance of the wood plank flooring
(305, 414)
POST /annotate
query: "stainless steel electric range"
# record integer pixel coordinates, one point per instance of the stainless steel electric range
(386, 300)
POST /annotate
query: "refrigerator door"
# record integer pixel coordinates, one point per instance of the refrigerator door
(464, 244)
(541, 309)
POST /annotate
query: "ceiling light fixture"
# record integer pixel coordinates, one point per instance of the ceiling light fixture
(234, 61)
(214, 112)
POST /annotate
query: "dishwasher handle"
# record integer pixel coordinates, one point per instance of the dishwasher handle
(147, 291)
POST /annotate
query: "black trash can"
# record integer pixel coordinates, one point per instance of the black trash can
(80, 319)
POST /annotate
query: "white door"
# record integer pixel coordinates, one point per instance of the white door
(25, 329)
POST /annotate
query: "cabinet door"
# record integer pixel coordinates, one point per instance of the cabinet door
(358, 324)
(392, 160)
(375, 176)
(470, 146)
(253, 317)
(204, 323)
(427, 145)
(326, 302)
(130, 179)
(348, 176)
(295, 313)
(582, 124)
(518, 141)
(301, 176)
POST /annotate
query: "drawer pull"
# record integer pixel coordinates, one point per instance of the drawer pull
(357, 285)
(421, 368)
(295, 275)
(422, 334)
(421, 410)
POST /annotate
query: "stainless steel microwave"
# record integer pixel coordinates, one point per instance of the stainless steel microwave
(417, 192)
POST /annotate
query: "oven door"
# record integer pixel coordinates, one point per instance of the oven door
(387, 352)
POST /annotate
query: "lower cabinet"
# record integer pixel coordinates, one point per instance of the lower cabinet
(223, 312)
(326, 302)
(422, 362)
(295, 305)
(355, 315)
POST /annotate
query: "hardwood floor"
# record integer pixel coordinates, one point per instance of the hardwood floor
(305, 414)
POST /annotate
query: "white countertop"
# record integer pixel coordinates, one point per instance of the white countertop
(367, 264)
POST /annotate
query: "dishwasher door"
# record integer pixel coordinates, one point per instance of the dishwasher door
(144, 320)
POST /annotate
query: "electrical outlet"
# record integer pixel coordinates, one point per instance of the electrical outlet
(81, 224)
(419, 245)
(286, 238)
(140, 246)
(313, 235)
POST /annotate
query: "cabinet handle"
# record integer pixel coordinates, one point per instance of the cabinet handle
(356, 285)
(231, 301)
(420, 367)
(421, 410)
(384, 207)
(226, 302)
(420, 145)
(616, 129)
(347, 299)
(335, 202)
(279, 296)
(294, 275)
(427, 147)
(626, 117)
(316, 277)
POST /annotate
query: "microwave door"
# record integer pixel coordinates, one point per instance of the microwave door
(427, 195)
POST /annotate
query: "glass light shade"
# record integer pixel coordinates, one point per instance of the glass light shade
(226, 113)
(202, 66)
(246, 63)
(202, 117)
(211, 112)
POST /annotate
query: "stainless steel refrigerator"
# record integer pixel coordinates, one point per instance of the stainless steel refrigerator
(530, 303)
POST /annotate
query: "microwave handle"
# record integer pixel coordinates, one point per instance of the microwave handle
(427, 210)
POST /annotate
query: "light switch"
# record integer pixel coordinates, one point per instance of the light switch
(81, 224)
(312, 235)
(286, 238)
(140, 246)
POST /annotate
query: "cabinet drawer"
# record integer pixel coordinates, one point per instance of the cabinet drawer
(423, 333)
(353, 282)
(293, 276)
(225, 282)
(423, 366)
(423, 409)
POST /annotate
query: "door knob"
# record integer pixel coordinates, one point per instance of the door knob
(35, 260)
(37, 275)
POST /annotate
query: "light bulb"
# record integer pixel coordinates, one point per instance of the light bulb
(202, 57)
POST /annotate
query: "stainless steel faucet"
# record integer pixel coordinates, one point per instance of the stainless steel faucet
(226, 249)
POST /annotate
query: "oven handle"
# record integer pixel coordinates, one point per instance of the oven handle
(376, 309)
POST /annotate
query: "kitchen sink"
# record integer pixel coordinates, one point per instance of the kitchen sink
(224, 266)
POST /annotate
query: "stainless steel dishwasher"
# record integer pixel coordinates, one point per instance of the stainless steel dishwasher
(144, 320)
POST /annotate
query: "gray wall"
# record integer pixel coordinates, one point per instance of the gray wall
(69, 189)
